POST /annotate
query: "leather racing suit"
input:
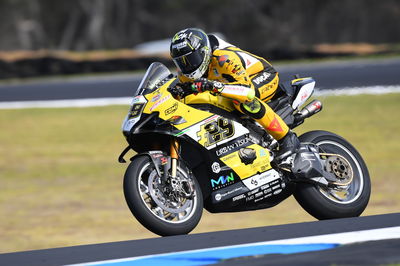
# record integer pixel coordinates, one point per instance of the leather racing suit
(248, 80)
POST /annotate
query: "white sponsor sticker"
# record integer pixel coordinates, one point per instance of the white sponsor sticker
(261, 179)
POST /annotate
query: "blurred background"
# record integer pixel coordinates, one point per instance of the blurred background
(45, 37)
(60, 183)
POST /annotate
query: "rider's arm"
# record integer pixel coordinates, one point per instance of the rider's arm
(238, 87)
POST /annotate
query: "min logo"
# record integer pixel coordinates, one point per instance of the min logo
(222, 180)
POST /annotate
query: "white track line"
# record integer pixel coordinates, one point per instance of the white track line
(126, 100)
(66, 103)
(359, 90)
(339, 238)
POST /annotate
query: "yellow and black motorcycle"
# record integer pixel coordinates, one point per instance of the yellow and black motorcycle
(198, 152)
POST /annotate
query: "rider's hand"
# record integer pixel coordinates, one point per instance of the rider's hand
(182, 90)
(201, 85)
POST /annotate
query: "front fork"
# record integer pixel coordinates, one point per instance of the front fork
(173, 150)
(184, 187)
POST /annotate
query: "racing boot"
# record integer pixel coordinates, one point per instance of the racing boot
(288, 145)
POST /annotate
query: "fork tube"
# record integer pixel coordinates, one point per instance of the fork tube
(174, 146)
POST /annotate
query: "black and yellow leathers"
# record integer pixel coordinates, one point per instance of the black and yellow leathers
(249, 81)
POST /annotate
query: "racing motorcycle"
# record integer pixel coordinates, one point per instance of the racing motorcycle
(198, 152)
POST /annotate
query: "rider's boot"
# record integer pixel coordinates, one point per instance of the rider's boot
(287, 146)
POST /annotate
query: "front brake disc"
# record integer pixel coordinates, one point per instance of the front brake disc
(161, 199)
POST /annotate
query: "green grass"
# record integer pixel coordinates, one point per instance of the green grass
(61, 185)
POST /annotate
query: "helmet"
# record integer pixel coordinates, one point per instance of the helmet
(191, 52)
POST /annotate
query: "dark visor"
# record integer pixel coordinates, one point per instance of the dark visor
(190, 62)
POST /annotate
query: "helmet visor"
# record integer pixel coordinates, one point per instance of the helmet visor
(190, 62)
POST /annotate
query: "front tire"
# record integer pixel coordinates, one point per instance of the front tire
(163, 215)
(340, 201)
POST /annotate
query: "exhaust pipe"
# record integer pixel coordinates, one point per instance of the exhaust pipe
(309, 110)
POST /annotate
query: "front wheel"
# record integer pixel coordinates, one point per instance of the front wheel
(160, 206)
(341, 200)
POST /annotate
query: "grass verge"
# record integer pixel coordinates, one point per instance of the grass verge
(61, 185)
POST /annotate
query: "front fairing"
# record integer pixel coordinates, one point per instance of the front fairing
(153, 100)
(157, 75)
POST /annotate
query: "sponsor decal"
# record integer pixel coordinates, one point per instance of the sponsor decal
(273, 188)
(155, 153)
(259, 194)
(304, 96)
(231, 147)
(266, 191)
(218, 197)
(216, 167)
(159, 102)
(236, 68)
(261, 78)
(248, 59)
(222, 59)
(270, 177)
(253, 192)
(237, 90)
(275, 126)
(254, 182)
(180, 45)
(238, 197)
(180, 35)
(250, 198)
(263, 153)
(222, 181)
(317, 105)
(171, 109)
(136, 99)
(276, 187)
(216, 73)
(266, 87)
(164, 160)
(235, 190)
(136, 110)
(265, 186)
(155, 98)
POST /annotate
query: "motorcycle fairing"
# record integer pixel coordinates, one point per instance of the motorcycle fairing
(304, 90)
(216, 138)
(135, 113)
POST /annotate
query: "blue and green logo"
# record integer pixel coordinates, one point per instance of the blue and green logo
(222, 180)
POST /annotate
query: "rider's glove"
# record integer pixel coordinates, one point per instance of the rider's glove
(201, 85)
(181, 90)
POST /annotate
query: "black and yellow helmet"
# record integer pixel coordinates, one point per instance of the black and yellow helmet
(191, 52)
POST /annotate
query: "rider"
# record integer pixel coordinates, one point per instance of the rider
(208, 63)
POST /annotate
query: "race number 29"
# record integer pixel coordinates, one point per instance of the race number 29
(215, 131)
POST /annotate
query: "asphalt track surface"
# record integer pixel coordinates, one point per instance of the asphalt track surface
(329, 75)
(366, 253)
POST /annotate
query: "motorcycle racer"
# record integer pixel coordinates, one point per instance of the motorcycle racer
(208, 63)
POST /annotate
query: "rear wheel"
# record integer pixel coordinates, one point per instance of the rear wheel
(349, 196)
(163, 208)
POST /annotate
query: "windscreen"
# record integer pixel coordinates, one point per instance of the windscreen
(155, 75)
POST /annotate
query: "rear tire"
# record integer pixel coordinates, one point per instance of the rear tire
(348, 201)
(145, 205)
